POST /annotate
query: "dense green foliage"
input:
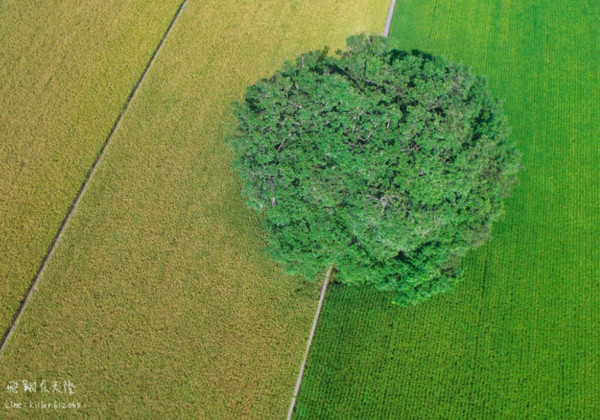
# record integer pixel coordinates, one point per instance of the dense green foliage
(388, 164)
(519, 338)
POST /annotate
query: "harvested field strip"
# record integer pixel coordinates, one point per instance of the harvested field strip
(66, 70)
(159, 301)
(519, 338)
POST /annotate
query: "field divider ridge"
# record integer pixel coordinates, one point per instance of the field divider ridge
(386, 32)
(310, 338)
(85, 183)
(388, 21)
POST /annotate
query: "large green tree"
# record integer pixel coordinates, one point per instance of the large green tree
(389, 165)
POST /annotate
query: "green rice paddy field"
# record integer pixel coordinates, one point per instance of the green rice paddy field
(520, 337)
(158, 301)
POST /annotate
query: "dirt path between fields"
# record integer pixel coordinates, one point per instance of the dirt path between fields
(386, 32)
(310, 338)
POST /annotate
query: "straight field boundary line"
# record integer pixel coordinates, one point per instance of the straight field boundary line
(310, 338)
(84, 185)
(386, 32)
(388, 22)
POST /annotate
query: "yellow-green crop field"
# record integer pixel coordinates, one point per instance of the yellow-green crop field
(520, 337)
(66, 70)
(158, 301)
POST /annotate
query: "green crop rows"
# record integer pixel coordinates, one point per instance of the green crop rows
(520, 337)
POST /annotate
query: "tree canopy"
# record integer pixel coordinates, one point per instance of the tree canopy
(388, 164)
